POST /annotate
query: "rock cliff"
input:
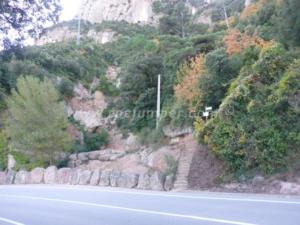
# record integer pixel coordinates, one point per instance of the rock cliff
(132, 11)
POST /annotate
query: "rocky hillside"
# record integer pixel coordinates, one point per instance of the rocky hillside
(241, 67)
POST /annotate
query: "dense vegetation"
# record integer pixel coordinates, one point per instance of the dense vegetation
(249, 74)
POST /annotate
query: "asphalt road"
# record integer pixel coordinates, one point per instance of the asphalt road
(82, 205)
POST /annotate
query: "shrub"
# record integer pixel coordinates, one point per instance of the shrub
(95, 141)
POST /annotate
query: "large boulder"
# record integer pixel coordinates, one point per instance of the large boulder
(169, 183)
(22, 177)
(114, 178)
(50, 175)
(258, 181)
(37, 176)
(162, 158)
(74, 177)
(157, 181)
(84, 177)
(94, 155)
(83, 156)
(105, 178)
(131, 143)
(144, 181)
(95, 177)
(10, 177)
(288, 188)
(128, 180)
(2, 178)
(64, 176)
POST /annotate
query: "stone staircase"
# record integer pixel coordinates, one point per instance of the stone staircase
(187, 150)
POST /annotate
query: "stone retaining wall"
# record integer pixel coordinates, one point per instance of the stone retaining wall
(151, 180)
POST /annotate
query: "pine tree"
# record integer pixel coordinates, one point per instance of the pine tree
(37, 123)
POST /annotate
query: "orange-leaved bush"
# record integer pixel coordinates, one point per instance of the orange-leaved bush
(187, 90)
(237, 42)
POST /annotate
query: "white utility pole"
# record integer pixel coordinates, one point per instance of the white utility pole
(225, 14)
(78, 29)
(158, 102)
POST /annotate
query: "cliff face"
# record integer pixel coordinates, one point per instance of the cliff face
(132, 11)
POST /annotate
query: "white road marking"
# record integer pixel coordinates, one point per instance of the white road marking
(10, 221)
(131, 210)
(171, 195)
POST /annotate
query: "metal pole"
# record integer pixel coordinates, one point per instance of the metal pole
(78, 31)
(225, 14)
(158, 102)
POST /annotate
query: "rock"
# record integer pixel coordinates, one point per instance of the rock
(94, 155)
(84, 177)
(75, 134)
(247, 3)
(11, 162)
(2, 178)
(22, 177)
(144, 181)
(133, 11)
(64, 176)
(161, 159)
(288, 188)
(176, 132)
(157, 181)
(75, 177)
(105, 178)
(114, 178)
(169, 183)
(128, 180)
(73, 157)
(95, 177)
(10, 177)
(37, 176)
(258, 181)
(131, 143)
(83, 156)
(50, 175)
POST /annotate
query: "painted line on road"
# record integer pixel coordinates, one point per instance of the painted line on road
(256, 200)
(131, 210)
(10, 221)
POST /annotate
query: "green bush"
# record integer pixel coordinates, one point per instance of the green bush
(95, 141)
(3, 151)
(66, 87)
(256, 124)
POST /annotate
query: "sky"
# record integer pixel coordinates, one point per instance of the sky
(70, 8)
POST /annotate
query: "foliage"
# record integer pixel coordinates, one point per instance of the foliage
(172, 165)
(252, 129)
(237, 42)
(187, 91)
(21, 19)
(289, 22)
(26, 162)
(65, 60)
(252, 9)
(37, 123)
(94, 141)
(65, 87)
(177, 18)
(3, 150)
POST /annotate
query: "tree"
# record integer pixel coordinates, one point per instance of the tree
(187, 91)
(176, 16)
(37, 122)
(289, 22)
(22, 19)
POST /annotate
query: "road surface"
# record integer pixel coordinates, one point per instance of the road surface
(82, 205)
